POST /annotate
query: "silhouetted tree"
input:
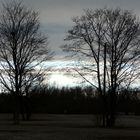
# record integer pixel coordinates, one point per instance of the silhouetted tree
(106, 44)
(22, 50)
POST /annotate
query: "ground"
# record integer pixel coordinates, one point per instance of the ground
(68, 127)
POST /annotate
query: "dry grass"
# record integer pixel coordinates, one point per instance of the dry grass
(68, 127)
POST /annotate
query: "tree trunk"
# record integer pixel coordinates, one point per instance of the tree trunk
(16, 115)
(111, 115)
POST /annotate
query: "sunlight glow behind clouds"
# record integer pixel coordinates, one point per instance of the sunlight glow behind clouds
(60, 80)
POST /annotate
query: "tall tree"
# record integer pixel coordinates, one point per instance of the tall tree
(23, 49)
(107, 40)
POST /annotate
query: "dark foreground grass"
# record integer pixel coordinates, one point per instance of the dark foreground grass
(68, 127)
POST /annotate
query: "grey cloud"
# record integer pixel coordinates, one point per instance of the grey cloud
(83, 3)
(55, 15)
(43, 3)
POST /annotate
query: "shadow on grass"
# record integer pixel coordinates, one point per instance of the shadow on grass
(119, 138)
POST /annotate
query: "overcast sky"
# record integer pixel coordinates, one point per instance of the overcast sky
(55, 15)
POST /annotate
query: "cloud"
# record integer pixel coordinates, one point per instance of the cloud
(55, 15)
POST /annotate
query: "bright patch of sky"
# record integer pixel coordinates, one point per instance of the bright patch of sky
(62, 80)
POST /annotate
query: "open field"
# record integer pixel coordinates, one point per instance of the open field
(68, 127)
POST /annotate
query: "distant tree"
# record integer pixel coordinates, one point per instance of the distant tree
(106, 43)
(23, 49)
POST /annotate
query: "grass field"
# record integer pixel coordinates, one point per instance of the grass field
(68, 127)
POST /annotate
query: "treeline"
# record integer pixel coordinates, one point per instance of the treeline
(70, 101)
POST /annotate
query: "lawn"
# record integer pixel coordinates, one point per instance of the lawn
(68, 127)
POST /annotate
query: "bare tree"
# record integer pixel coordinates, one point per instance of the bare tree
(107, 41)
(23, 49)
